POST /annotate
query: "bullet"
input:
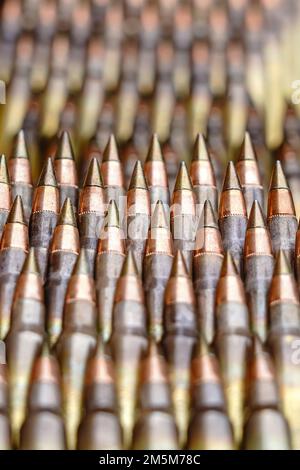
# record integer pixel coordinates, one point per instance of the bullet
(282, 221)
(180, 334)
(138, 214)
(156, 174)
(207, 263)
(100, 427)
(24, 339)
(284, 306)
(44, 215)
(155, 427)
(13, 250)
(5, 193)
(183, 216)
(209, 427)
(232, 341)
(288, 156)
(76, 344)
(128, 341)
(233, 216)
(5, 432)
(265, 426)
(112, 174)
(248, 173)
(64, 251)
(157, 268)
(203, 176)
(65, 170)
(20, 173)
(259, 264)
(109, 262)
(43, 428)
(285, 352)
(91, 211)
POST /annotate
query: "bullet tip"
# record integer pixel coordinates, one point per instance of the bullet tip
(154, 152)
(159, 218)
(81, 266)
(282, 265)
(20, 147)
(129, 266)
(208, 218)
(138, 179)
(64, 148)
(228, 266)
(110, 152)
(256, 217)
(231, 180)
(93, 175)
(183, 180)
(200, 151)
(67, 215)
(278, 179)
(4, 177)
(16, 213)
(30, 265)
(113, 219)
(247, 151)
(47, 176)
(179, 267)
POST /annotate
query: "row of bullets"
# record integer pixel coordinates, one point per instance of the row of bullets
(161, 324)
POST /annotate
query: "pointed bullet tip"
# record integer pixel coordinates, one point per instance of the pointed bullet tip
(159, 218)
(256, 217)
(278, 179)
(154, 152)
(4, 177)
(228, 266)
(93, 175)
(110, 152)
(67, 215)
(202, 348)
(138, 179)
(129, 266)
(179, 267)
(183, 180)
(200, 151)
(20, 147)
(247, 151)
(47, 176)
(81, 266)
(30, 264)
(282, 265)
(16, 213)
(64, 148)
(231, 180)
(113, 219)
(208, 218)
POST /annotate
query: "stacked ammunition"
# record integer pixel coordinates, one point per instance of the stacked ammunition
(149, 237)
